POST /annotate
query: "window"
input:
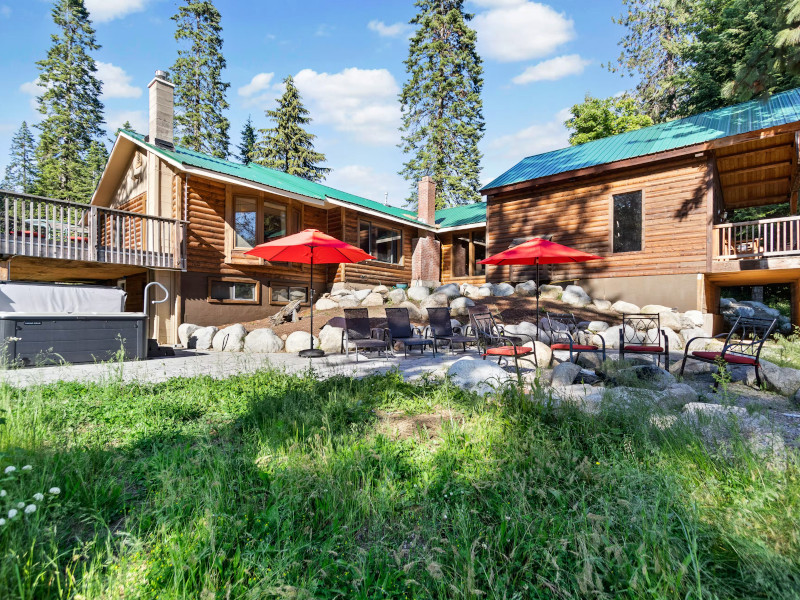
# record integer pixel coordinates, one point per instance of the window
(245, 222)
(627, 226)
(233, 290)
(274, 221)
(467, 251)
(285, 293)
(381, 242)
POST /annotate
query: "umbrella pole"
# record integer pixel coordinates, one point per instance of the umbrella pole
(311, 352)
(537, 300)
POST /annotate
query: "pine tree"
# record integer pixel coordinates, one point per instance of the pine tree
(70, 103)
(96, 159)
(441, 103)
(248, 144)
(288, 147)
(21, 171)
(197, 74)
(597, 118)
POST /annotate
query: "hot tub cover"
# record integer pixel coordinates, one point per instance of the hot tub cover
(30, 297)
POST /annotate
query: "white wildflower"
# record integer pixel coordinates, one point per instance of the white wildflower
(3, 494)
(2, 522)
(20, 505)
(38, 497)
(31, 508)
(55, 491)
(10, 469)
(12, 513)
(27, 468)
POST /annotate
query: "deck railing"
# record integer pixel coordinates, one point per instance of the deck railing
(757, 239)
(47, 228)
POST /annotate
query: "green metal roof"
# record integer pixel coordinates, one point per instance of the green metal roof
(271, 177)
(466, 214)
(778, 109)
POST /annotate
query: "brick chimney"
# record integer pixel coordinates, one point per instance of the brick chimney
(426, 200)
(162, 114)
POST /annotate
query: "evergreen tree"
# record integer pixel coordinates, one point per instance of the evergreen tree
(597, 118)
(197, 74)
(288, 147)
(21, 171)
(441, 103)
(70, 103)
(248, 144)
(653, 48)
(96, 159)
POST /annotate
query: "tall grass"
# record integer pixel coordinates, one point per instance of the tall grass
(277, 486)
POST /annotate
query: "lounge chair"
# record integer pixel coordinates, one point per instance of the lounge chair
(641, 333)
(494, 343)
(400, 330)
(441, 330)
(359, 333)
(565, 334)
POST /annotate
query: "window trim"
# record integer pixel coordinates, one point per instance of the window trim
(287, 284)
(259, 204)
(621, 192)
(223, 279)
(470, 251)
(391, 227)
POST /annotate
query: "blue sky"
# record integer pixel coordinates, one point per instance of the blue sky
(347, 59)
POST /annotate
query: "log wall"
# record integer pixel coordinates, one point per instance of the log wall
(447, 262)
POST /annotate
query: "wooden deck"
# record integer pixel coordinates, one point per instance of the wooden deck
(38, 227)
(749, 240)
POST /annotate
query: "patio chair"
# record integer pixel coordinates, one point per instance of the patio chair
(400, 330)
(441, 330)
(359, 333)
(641, 333)
(742, 346)
(497, 328)
(494, 343)
(564, 333)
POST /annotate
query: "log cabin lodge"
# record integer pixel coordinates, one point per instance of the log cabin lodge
(659, 204)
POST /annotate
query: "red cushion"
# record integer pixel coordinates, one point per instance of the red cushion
(508, 351)
(731, 358)
(577, 347)
(643, 349)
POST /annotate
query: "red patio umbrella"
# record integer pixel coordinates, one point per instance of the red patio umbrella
(310, 247)
(539, 252)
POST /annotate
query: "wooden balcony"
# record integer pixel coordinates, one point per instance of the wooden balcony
(765, 238)
(45, 228)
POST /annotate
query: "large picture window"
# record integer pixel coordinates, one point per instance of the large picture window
(274, 221)
(256, 221)
(381, 242)
(627, 222)
(245, 219)
(467, 251)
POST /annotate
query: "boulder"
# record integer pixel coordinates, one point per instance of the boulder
(460, 306)
(488, 289)
(455, 323)
(551, 291)
(527, 288)
(677, 395)
(480, 376)
(503, 289)
(529, 329)
(330, 339)
(565, 374)
(692, 319)
(341, 291)
(580, 395)
(299, 340)
(326, 304)
(601, 304)
(611, 336)
(688, 334)
(263, 340)
(396, 296)
(434, 301)
(372, 299)
(349, 301)
(204, 337)
(418, 293)
(675, 340)
(631, 397)
(361, 294)
(597, 326)
(451, 290)
(229, 339)
(471, 291)
(621, 306)
(185, 334)
(542, 359)
(647, 373)
(414, 313)
(575, 295)
(784, 380)
(381, 289)
(668, 317)
(590, 360)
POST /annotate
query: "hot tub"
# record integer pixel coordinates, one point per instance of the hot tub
(46, 323)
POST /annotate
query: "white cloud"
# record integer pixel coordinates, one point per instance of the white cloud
(366, 182)
(260, 91)
(534, 139)
(34, 89)
(137, 119)
(257, 84)
(553, 69)
(361, 102)
(394, 30)
(116, 82)
(324, 30)
(103, 11)
(513, 30)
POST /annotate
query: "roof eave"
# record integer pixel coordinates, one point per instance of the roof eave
(461, 227)
(377, 213)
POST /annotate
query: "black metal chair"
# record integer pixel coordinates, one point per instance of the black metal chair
(564, 334)
(497, 328)
(641, 333)
(359, 333)
(441, 330)
(494, 343)
(400, 330)
(742, 345)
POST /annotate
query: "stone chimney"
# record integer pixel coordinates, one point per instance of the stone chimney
(162, 113)
(426, 200)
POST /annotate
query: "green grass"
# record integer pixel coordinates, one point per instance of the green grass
(278, 486)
